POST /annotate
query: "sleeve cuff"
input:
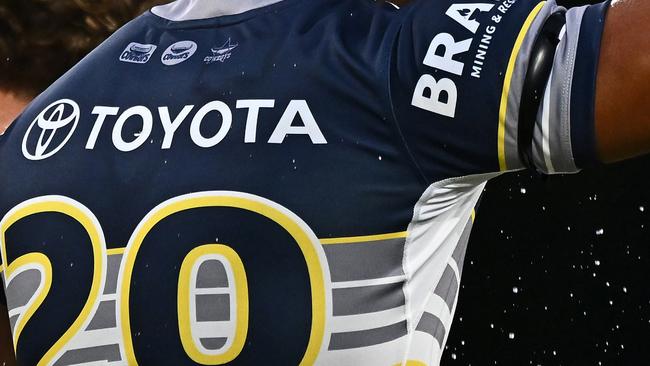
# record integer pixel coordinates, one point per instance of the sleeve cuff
(583, 91)
(564, 137)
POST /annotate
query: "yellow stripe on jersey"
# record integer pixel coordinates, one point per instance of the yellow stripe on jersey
(114, 251)
(362, 239)
(503, 109)
(411, 363)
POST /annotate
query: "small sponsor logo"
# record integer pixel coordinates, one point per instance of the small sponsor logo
(51, 130)
(178, 52)
(221, 54)
(137, 53)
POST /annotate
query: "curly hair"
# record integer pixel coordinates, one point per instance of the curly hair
(41, 39)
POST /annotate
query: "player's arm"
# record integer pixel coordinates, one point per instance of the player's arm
(6, 346)
(623, 83)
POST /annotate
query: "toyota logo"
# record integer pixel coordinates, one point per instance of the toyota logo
(54, 126)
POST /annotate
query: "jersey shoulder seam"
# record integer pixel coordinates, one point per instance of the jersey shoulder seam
(389, 96)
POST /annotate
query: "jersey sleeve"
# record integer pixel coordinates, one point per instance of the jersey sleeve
(457, 74)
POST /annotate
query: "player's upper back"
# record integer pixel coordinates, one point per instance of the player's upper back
(230, 100)
(179, 165)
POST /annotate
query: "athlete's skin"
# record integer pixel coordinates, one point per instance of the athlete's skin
(622, 89)
(622, 97)
(11, 104)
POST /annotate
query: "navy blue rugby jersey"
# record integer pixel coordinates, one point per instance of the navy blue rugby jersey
(275, 182)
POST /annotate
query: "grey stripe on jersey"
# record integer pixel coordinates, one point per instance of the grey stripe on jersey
(213, 344)
(366, 260)
(211, 274)
(447, 287)
(112, 270)
(22, 288)
(461, 248)
(365, 338)
(108, 353)
(212, 307)
(367, 299)
(104, 317)
(367, 278)
(432, 325)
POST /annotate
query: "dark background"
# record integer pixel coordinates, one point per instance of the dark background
(557, 271)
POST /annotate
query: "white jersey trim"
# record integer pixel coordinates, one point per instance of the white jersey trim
(182, 10)
(439, 219)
